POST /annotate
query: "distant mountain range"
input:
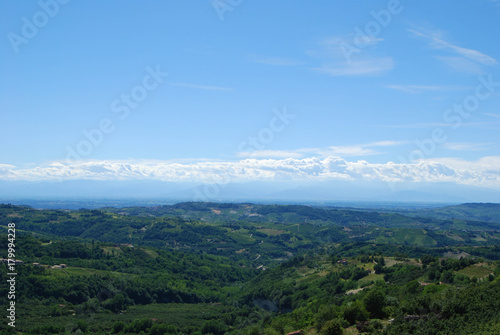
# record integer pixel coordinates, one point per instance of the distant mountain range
(251, 191)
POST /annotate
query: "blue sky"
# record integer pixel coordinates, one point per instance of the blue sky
(363, 85)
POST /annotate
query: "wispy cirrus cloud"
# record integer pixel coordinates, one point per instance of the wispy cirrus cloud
(465, 146)
(461, 64)
(366, 67)
(418, 89)
(367, 149)
(336, 43)
(334, 61)
(462, 59)
(437, 41)
(342, 151)
(268, 154)
(492, 115)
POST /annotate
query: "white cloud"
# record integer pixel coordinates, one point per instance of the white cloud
(6, 166)
(492, 114)
(339, 151)
(438, 42)
(268, 153)
(336, 42)
(462, 146)
(418, 89)
(461, 64)
(484, 164)
(339, 57)
(370, 66)
(386, 143)
(484, 172)
(462, 59)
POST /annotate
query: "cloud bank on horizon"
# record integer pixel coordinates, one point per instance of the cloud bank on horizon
(482, 173)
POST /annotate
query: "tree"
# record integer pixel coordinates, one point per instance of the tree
(374, 303)
(279, 325)
(412, 287)
(333, 327)
(270, 331)
(432, 274)
(378, 268)
(137, 326)
(427, 259)
(254, 330)
(214, 326)
(364, 258)
(356, 311)
(324, 314)
(116, 303)
(82, 325)
(118, 327)
(161, 329)
(447, 276)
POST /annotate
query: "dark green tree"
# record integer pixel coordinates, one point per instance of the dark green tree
(161, 329)
(214, 326)
(374, 303)
(354, 312)
(333, 327)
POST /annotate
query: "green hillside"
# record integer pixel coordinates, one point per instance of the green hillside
(202, 268)
(488, 214)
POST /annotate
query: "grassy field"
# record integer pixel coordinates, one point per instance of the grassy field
(476, 270)
(371, 277)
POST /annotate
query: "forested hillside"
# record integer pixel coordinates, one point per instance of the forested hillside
(205, 268)
(484, 212)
